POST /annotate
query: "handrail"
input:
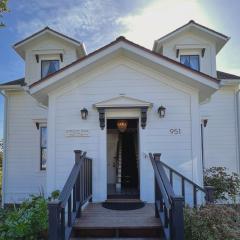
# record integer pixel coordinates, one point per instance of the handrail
(75, 193)
(180, 175)
(168, 206)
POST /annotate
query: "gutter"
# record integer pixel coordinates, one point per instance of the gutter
(5, 134)
(238, 127)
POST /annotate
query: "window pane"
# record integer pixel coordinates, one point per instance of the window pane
(43, 158)
(43, 137)
(191, 61)
(49, 66)
(43, 148)
(185, 60)
(194, 62)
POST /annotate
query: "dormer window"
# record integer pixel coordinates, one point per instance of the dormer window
(191, 61)
(48, 67)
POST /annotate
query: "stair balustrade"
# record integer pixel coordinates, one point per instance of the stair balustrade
(75, 193)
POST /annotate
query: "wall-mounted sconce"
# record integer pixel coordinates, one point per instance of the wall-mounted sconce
(84, 113)
(161, 111)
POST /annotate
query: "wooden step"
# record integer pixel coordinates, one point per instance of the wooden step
(123, 200)
(99, 222)
(115, 238)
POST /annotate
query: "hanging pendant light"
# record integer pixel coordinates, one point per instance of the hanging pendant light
(122, 125)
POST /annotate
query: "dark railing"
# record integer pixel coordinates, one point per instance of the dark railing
(75, 193)
(168, 206)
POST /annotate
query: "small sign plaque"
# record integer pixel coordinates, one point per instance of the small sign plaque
(77, 133)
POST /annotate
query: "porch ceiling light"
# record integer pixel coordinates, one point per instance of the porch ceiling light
(84, 113)
(122, 125)
(161, 111)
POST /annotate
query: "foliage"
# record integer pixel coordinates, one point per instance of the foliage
(225, 184)
(28, 221)
(3, 9)
(212, 222)
(54, 195)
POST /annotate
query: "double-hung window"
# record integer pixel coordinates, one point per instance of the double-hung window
(48, 67)
(191, 61)
(43, 147)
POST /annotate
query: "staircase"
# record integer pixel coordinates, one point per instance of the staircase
(74, 216)
(99, 222)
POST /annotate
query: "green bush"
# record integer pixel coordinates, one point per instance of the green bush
(226, 185)
(28, 221)
(212, 222)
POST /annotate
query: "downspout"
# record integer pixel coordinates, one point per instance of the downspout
(4, 160)
(238, 127)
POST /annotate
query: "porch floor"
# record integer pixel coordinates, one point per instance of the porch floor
(94, 216)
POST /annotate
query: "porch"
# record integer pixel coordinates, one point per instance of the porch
(73, 214)
(97, 221)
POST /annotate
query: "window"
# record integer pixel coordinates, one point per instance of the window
(48, 67)
(191, 61)
(43, 148)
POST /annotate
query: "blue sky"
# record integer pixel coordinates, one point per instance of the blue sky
(97, 22)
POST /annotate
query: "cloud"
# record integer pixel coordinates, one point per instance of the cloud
(93, 21)
(160, 18)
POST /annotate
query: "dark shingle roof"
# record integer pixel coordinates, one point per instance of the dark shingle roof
(20, 81)
(224, 75)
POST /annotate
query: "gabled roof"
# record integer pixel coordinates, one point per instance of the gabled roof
(224, 75)
(123, 47)
(47, 30)
(123, 39)
(20, 81)
(13, 85)
(218, 37)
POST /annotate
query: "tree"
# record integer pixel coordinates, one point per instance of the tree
(3, 9)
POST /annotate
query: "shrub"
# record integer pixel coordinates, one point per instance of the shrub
(225, 184)
(29, 221)
(212, 222)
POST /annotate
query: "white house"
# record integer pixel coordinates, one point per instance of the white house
(120, 81)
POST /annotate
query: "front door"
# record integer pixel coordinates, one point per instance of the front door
(122, 156)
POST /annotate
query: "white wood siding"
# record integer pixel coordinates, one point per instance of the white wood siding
(220, 135)
(33, 68)
(192, 45)
(23, 176)
(135, 81)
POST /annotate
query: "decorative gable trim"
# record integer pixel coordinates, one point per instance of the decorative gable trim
(122, 102)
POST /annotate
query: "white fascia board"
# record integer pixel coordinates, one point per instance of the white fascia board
(227, 82)
(132, 49)
(11, 87)
(174, 67)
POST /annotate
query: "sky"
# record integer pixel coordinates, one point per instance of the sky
(98, 22)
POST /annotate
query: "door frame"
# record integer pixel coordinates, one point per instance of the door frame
(123, 113)
(138, 145)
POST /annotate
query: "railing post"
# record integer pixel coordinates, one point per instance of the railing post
(177, 219)
(78, 154)
(54, 220)
(157, 156)
(209, 194)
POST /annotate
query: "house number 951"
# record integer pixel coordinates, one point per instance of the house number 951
(175, 131)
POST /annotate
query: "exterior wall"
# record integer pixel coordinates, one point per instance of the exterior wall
(22, 173)
(181, 151)
(41, 46)
(190, 44)
(220, 135)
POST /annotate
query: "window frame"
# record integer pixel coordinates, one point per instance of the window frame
(48, 60)
(41, 147)
(191, 55)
